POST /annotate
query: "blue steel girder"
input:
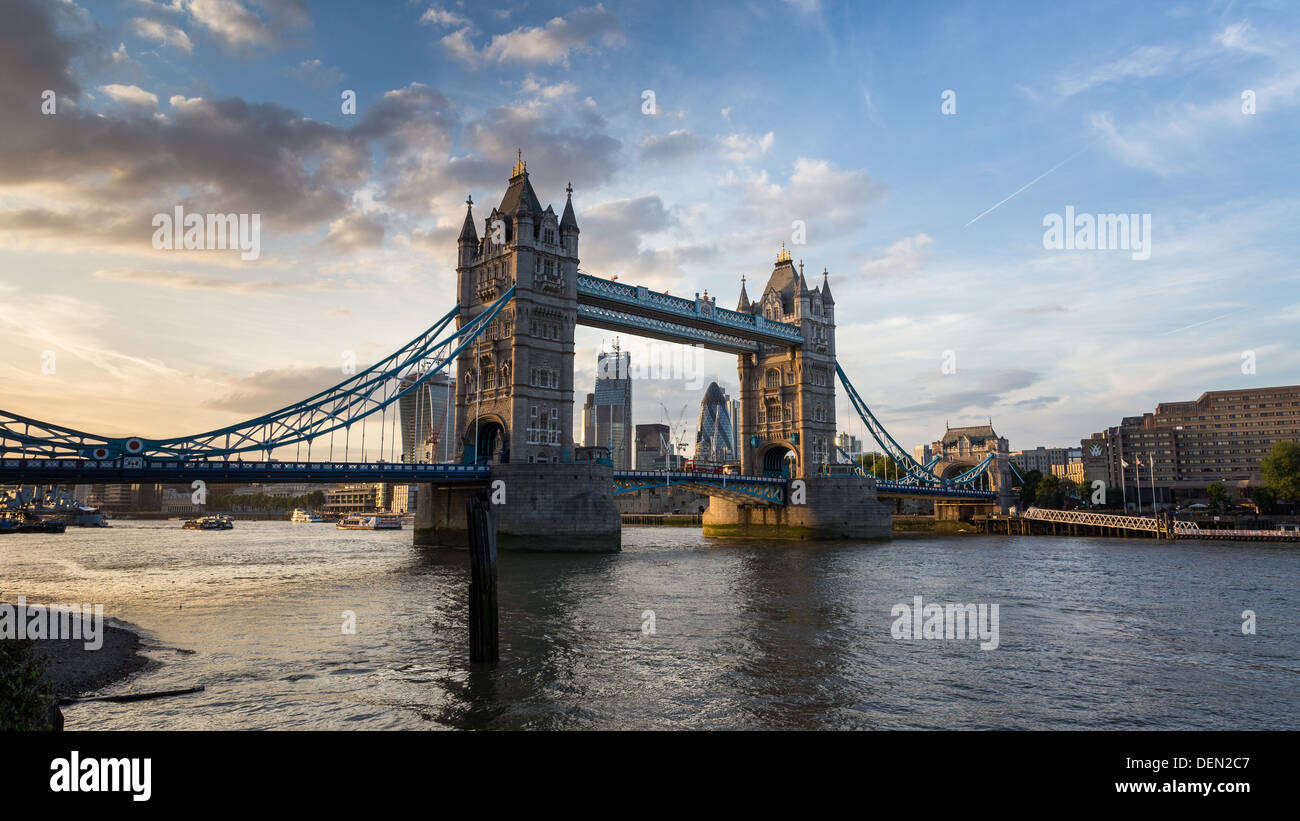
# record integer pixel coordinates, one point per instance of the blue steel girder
(138, 469)
(639, 301)
(615, 320)
(766, 489)
(905, 489)
(362, 395)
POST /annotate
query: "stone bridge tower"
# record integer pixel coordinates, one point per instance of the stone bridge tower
(514, 387)
(787, 394)
(514, 391)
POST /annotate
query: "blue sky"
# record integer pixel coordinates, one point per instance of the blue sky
(765, 113)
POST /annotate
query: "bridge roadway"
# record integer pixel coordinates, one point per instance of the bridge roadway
(763, 489)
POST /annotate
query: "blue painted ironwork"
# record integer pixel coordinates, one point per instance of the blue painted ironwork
(616, 320)
(770, 490)
(338, 408)
(917, 472)
(903, 489)
(141, 469)
(639, 303)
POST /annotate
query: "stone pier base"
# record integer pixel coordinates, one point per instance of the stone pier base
(962, 511)
(835, 507)
(543, 507)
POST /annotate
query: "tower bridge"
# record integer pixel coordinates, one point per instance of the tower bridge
(520, 296)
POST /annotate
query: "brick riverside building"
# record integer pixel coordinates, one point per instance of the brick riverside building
(1220, 437)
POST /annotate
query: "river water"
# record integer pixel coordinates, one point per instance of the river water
(1093, 633)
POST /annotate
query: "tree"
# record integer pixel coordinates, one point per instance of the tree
(26, 694)
(1264, 498)
(1029, 487)
(1218, 496)
(1085, 491)
(1050, 493)
(1281, 468)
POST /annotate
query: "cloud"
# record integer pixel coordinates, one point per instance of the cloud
(826, 197)
(1142, 63)
(354, 231)
(904, 256)
(162, 33)
(438, 16)
(316, 74)
(742, 147)
(990, 389)
(553, 43)
(537, 88)
(268, 390)
(185, 281)
(679, 144)
(235, 25)
(131, 95)
(458, 46)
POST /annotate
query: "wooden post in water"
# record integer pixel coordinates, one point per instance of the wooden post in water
(482, 524)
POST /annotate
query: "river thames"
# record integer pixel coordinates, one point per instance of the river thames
(1093, 633)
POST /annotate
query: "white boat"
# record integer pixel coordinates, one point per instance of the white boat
(369, 521)
(302, 517)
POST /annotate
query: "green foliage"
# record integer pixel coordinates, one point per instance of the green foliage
(1084, 490)
(1218, 496)
(1265, 498)
(26, 693)
(1029, 488)
(1281, 468)
(1050, 493)
(884, 466)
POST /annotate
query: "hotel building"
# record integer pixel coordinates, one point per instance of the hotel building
(1184, 446)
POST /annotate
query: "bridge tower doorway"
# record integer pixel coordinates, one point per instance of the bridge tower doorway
(487, 443)
(780, 460)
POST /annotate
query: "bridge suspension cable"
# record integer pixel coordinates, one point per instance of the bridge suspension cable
(915, 471)
(351, 401)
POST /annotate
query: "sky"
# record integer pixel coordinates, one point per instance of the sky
(922, 147)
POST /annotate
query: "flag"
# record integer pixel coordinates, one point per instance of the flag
(1122, 462)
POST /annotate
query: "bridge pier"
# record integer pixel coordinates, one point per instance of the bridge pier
(834, 507)
(538, 507)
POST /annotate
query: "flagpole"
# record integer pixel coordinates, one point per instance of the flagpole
(1151, 469)
(1137, 480)
(1123, 475)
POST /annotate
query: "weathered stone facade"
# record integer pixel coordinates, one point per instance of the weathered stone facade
(787, 394)
(514, 397)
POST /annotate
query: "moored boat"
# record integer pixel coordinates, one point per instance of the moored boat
(369, 521)
(301, 516)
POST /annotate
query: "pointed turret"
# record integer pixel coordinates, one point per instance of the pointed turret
(804, 290)
(467, 231)
(468, 241)
(826, 289)
(568, 222)
(744, 306)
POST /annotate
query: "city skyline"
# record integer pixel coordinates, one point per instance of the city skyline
(360, 211)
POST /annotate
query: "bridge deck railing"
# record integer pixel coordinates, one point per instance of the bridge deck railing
(640, 296)
(1085, 517)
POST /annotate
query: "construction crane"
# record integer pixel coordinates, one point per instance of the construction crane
(675, 439)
